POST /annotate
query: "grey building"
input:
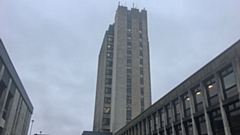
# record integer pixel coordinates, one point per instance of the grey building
(123, 82)
(206, 103)
(15, 107)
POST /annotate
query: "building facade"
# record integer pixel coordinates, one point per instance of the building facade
(123, 81)
(207, 103)
(15, 107)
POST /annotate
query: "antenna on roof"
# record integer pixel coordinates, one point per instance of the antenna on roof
(118, 3)
(133, 5)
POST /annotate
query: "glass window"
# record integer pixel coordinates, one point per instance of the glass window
(129, 100)
(107, 90)
(141, 70)
(142, 91)
(129, 82)
(233, 114)
(169, 131)
(129, 43)
(109, 63)
(186, 105)
(5, 111)
(106, 110)
(189, 128)
(129, 91)
(141, 44)
(110, 39)
(106, 121)
(129, 114)
(110, 47)
(3, 86)
(169, 116)
(129, 70)
(228, 82)
(108, 81)
(176, 110)
(161, 118)
(212, 92)
(129, 35)
(141, 52)
(129, 25)
(109, 55)
(197, 95)
(141, 61)
(140, 35)
(178, 129)
(141, 80)
(109, 71)
(216, 122)
(142, 101)
(201, 125)
(129, 61)
(107, 100)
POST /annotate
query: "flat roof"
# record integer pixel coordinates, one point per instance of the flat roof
(9, 65)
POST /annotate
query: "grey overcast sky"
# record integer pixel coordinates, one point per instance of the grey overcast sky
(54, 46)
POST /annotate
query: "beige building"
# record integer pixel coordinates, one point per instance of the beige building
(15, 107)
(123, 81)
(206, 103)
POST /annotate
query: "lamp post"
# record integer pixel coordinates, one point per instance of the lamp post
(31, 127)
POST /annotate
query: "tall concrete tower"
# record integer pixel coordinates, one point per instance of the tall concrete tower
(123, 81)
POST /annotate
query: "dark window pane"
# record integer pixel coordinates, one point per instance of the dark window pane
(109, 63)
(129, 100)
(142, 91)
(108, 71)
(107, 100)
(108, 90)
(106, 121)
(129, 114)
(108, 81)
(141, 80)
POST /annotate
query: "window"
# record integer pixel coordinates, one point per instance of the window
(141, 52)
(106, 121)
(141, 70)
(129, 43)
(129, 25)
(129, 92)
(129, 100)
(129, 82)
(140, 35)
(212, 93)
(109, 63)
(169, 131)
(110, 39)
(109, 71)
(129, 61)
(233, 114)
(201, 125)
(176, 110)
(216, 122)
(186, 105)
(178, 129)
(188, 127)
(129, 70)
(2, 87)
(197, 95)
(141, 80)
(110, 47)
(141, 44)
(106, 110)
(142, 91)
(107, 100)
(5, 111)
(108, 81)
(109, 55)
(142, 101)
(161, 118)
(107, 90)
(169, 116)
(129, 53)
(129, 114)
(141, 61)
(129, 35)
(228, 82)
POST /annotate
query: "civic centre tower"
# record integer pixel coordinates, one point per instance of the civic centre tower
(123, 88)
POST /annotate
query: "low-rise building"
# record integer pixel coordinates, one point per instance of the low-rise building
(15, 106)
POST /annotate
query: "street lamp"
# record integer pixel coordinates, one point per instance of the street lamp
(31, 127)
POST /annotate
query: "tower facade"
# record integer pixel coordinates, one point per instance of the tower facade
(123, 81)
